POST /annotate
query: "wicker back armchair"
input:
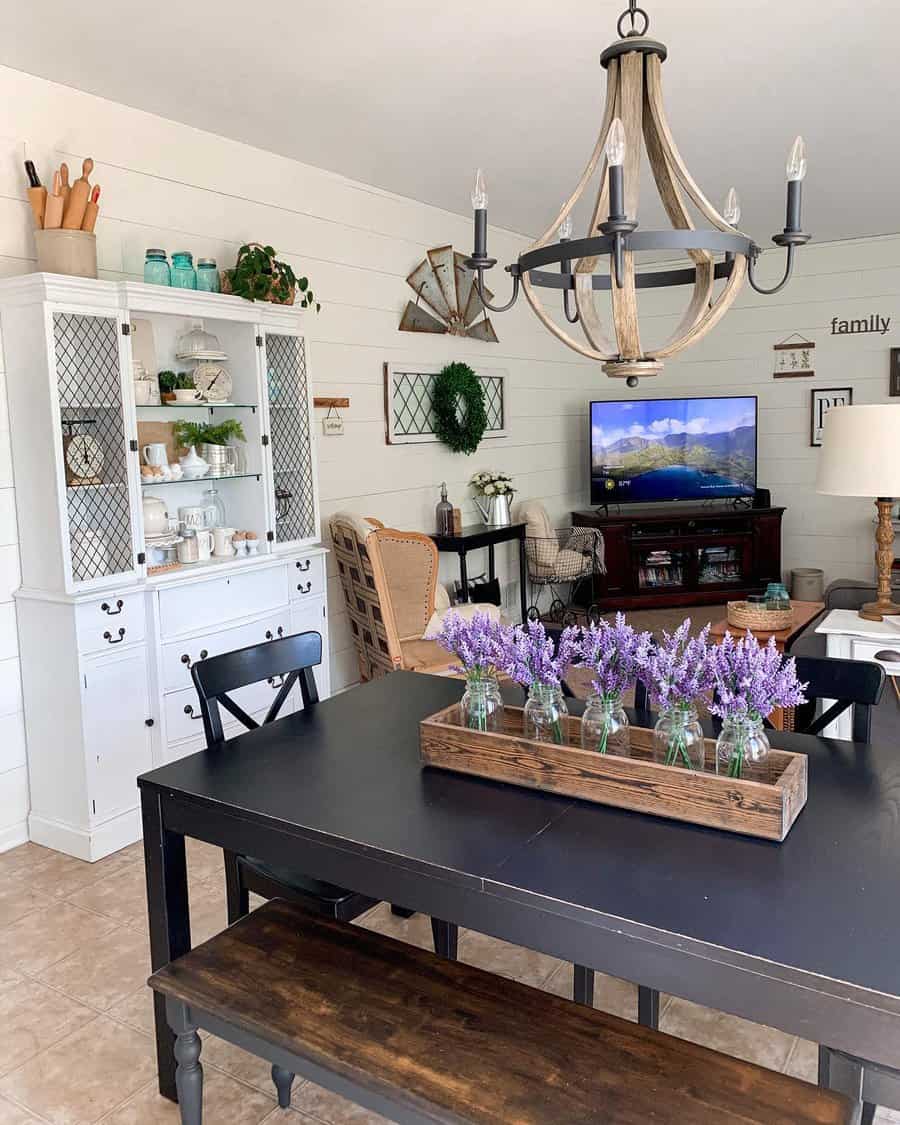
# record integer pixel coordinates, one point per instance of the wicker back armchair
(389, 578)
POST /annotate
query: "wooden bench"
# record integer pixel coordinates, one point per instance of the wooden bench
(422, 1039)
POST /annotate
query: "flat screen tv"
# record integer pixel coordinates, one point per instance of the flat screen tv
(654, 449)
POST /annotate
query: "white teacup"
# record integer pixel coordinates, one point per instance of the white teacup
(187, 395)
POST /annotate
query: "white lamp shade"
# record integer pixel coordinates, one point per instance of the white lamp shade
(860, 452)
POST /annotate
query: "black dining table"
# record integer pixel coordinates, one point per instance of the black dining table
(803, 935)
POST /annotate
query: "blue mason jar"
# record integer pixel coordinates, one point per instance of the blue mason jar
(207, 275)
(156, 268)
(183, 273)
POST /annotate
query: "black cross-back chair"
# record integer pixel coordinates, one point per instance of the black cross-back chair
(286, 662)
(856, 684)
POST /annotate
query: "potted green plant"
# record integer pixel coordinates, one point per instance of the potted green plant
(259, 276)
(169, 383)
(212, 441)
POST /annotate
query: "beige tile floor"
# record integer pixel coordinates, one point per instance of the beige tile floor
(75, 1013)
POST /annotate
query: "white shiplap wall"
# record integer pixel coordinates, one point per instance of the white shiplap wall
(165, 184)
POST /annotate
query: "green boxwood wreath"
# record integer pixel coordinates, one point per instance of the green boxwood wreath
(456, 384)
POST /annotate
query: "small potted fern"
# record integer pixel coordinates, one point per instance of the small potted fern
(212, 440)
(259, 276)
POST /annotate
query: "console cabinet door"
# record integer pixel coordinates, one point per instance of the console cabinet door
(117, 737)
(98, 492)
(294, 497)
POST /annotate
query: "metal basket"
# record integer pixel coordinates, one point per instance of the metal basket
(573, 554)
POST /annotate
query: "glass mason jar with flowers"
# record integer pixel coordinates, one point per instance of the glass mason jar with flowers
(534, 661)
(678, 675)
(615, 654)
(750, 682)
(478, 643)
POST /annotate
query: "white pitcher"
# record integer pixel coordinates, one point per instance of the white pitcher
(496, 512)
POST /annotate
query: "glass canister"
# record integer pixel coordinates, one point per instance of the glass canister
(207, 275)
(215, 509)
(742, 742)
(156, 268)
(481, 706)
(188, 548)
(184, 275)
(678, 738)
(777, 596)
(545, 714)
(604, 726)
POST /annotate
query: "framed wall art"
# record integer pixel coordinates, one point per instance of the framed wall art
(408, 406)
(793, 358)
(822, 400)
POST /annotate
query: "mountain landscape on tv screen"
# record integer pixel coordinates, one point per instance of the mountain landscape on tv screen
(678, 465)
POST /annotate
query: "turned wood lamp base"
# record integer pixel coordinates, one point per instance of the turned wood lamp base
(883, 606)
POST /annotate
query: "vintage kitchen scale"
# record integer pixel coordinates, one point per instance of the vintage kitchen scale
(82, 454)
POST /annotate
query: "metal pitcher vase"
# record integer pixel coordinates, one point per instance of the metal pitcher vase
(496, 511)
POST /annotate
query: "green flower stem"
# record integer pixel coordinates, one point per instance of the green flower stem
(604, 738)
(678, 749)
(736, 762)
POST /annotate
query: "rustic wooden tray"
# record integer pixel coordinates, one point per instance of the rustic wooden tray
(764, 803)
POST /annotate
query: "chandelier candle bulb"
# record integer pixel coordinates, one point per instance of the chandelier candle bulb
(731, 212)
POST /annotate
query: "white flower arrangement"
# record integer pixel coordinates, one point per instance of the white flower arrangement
(489, 483)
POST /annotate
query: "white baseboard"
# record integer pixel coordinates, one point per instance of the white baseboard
(91, 845)
(13, 835)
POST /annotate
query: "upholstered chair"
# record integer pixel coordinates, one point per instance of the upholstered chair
(393, 598)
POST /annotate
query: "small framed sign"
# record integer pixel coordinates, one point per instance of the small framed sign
(894, 385)
(822, 400)
(793, 358)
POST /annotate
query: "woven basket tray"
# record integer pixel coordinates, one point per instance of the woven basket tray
(743, 615)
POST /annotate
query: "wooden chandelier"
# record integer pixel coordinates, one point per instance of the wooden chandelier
(634, 115)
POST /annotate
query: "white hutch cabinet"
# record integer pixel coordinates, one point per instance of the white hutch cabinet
(106, 648)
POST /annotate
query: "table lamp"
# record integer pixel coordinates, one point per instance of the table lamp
(861, 457)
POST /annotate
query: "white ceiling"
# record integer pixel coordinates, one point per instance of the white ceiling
(411, 96)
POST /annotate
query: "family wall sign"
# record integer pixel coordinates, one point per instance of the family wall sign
(874, 323)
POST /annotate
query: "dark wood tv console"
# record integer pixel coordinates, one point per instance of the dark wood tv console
(675, 556)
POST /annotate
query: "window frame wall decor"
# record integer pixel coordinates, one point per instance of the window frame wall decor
(495, 379)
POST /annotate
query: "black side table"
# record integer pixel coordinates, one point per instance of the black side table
(486, 535)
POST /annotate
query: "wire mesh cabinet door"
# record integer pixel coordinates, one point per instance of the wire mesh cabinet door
(99, 496)
(294, 499)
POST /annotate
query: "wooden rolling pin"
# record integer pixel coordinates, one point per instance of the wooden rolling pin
(37, 194)
(53, 211)
(92, 210)
(78, 199)
(64, 183)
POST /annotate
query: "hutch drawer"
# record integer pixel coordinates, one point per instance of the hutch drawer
(182, 709)
(306, 577)
(203, 605)
(178, 656)
(109, 621)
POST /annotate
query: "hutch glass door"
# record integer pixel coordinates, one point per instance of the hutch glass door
(287, 392)
(92, 431)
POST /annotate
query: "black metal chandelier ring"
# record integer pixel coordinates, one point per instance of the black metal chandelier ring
(719, 242)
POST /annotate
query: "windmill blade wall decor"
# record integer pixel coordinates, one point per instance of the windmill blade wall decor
(447, 300)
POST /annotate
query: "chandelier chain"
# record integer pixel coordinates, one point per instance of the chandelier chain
(632, 13)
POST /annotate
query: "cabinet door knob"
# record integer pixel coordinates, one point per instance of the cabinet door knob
(149, 722)
(303, 566)
(304, 588)
(108, 637)
(112, 612)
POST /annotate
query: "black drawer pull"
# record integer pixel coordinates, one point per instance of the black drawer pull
(189, 710)
(304, 589)
(108, 637)
(112, 612)
(270, 636)
(185, 658)
(303, 566)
